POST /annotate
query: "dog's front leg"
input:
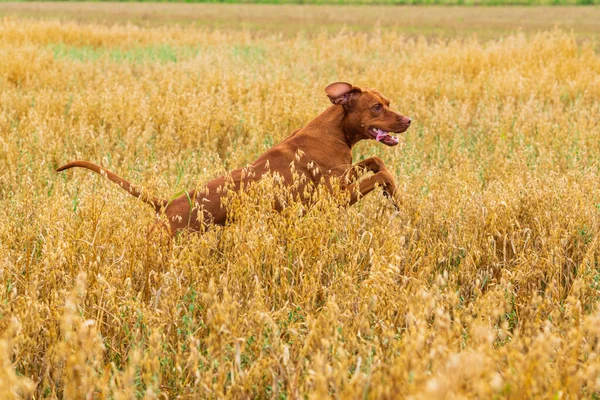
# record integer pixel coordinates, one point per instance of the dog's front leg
(365, 186)
(371, 164)
(382, 178)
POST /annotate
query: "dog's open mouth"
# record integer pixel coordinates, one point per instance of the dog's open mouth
(382, 136)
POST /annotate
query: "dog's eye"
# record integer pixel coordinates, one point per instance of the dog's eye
(377, 107)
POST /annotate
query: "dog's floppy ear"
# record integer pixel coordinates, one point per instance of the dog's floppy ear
(342, 93)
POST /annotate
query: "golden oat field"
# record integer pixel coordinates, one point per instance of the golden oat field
(484, 284)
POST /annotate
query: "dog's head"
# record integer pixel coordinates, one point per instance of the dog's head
(368, 113)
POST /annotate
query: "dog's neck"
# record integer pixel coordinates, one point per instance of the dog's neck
(332, 124)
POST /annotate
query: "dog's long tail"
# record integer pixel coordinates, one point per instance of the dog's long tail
(128, 187)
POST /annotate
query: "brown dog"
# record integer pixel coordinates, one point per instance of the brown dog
(316, 153)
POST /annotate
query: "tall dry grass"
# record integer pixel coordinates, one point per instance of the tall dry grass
(289, 19)
(484, 285)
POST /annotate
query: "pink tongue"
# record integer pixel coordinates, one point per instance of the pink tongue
(384, 137)
(381, 135)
